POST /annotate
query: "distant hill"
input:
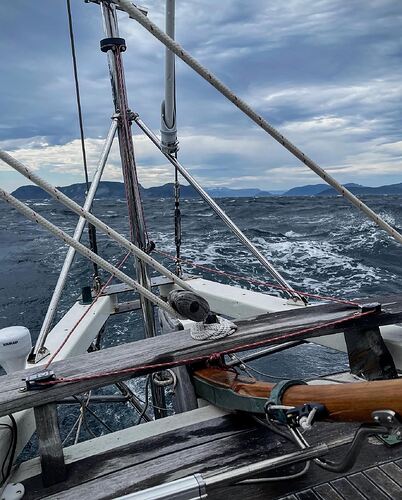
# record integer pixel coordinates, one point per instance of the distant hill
(108, 189)
(112, 190)
(309, 190)
(390, 189)
(312, 190)
(167, 191)
(223, 192)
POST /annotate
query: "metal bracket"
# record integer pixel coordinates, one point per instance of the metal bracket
(389, 419)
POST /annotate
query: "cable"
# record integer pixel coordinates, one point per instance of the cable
(11, 449)
(91, 229)
(146, 404)
(301, 473)
(85, 313)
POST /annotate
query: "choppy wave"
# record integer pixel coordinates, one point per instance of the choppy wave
(321, 246)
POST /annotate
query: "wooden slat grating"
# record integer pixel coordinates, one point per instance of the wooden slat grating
(387, 485)
(326, 492)
(346, 489)
(307, 495)
(393, 471)
(383, 482)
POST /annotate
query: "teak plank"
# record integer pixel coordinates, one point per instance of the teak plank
(346, 489)
(307, 495)
(366, 487)
(50, 445)
(179, 348)
(384, 482)
(393, 471)
(327, 492)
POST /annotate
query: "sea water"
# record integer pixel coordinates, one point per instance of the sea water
(319, 244)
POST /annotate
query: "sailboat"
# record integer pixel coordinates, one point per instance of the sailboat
(231, 434)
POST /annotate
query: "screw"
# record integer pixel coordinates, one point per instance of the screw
(389, 418)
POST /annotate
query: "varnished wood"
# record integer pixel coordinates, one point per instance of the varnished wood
(344, 402)
(50, 445)
(107, 366)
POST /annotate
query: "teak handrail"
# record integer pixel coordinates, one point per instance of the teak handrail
(352, 402)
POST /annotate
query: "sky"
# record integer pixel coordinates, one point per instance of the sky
(326, 73)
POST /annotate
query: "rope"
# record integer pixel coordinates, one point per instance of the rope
(212, 357)
(212, 331)
(256, 281)
(85, 313)
(91, 229)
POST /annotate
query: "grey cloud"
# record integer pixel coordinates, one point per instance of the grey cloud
(300, 63)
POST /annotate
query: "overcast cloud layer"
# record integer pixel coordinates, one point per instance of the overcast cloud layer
(327, 73)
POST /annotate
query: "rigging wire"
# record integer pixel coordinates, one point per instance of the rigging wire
(177, 220)
(91, 229)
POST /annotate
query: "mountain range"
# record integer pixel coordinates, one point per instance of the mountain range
(109, 189)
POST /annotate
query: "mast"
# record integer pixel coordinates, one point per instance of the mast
(114, 46)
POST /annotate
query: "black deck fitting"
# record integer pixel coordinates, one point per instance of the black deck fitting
(37, 381)
(373, 306)
(113, 44)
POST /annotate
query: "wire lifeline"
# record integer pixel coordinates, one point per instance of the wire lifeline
(255, 281)
(212, 357)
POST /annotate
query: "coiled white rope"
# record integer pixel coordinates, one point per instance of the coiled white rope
(212, 331)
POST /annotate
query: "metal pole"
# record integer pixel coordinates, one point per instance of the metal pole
(216, 208)
(168, 111)
(175, 47)
(83, 250)
(51, 311)
(88, 216)
(135, 209)
(236, 361)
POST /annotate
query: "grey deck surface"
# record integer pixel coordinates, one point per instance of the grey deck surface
(374, 483)
(221, 444)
